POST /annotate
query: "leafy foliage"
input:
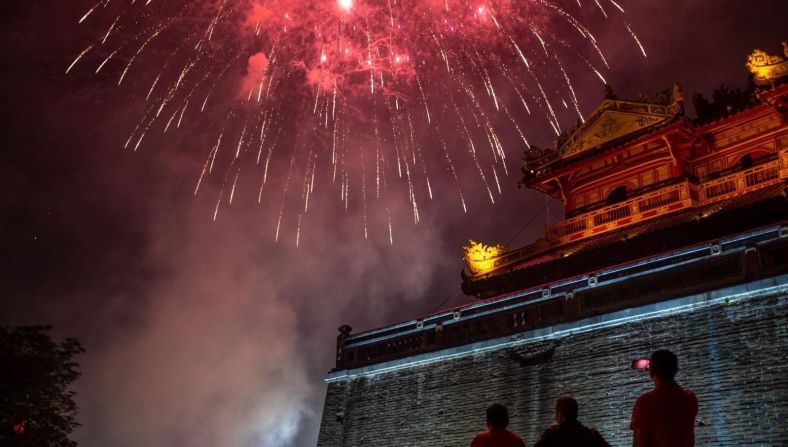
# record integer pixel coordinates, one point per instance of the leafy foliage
(36, 406)
(725, 101)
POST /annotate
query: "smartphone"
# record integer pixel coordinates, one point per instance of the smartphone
(640, 364)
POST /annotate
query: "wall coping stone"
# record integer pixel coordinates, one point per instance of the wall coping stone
(733, 294)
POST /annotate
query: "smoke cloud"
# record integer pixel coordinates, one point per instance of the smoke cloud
(227, 352)
(252, 82)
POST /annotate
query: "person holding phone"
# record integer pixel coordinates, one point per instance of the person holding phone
(664, 416)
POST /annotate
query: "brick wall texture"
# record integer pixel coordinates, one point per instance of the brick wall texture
(733, 356)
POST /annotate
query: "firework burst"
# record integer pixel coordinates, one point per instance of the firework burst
(374, 99)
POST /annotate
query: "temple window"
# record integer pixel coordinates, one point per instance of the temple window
(746, 161)
(617, 195)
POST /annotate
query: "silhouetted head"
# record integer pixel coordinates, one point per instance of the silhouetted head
(497, 416)
(664, 365)
(565, 409)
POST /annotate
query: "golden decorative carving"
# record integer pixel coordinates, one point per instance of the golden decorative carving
(608, 126)
(616, 118)
(480, 257)
(678, 93)
(767, 68)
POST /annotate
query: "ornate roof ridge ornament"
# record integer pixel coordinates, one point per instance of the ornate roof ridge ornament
(767, 68)
(480, 257)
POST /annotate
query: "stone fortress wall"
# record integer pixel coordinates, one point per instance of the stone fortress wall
(731, 347)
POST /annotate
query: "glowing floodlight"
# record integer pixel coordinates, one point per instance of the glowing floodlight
(345, 4)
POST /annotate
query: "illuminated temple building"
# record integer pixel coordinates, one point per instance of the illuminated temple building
(675, 236)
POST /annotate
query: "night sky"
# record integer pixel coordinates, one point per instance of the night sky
(200, 332)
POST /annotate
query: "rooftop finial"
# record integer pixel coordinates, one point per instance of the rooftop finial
(767, 68)
(609, 93)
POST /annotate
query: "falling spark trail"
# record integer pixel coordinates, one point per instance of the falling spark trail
(284, 197)
(298, 231)
(424, 99)
(139, 51)
(391, 232)
(169, 121)
(520, 53)
(240, 142)
(89, 12)
(218, 202)
(232, 191)
(454, 174)
(637, 41)
(571, 90)
(109, 31)
(105, 61)
(183, 111)
(617, 5)
(554, 120)
(599, 5)
(84, 52)
(155, 81)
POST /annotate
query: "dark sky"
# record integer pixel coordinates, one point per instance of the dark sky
(208, 333)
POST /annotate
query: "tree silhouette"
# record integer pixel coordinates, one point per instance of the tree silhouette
(36, 406)
(725, 102)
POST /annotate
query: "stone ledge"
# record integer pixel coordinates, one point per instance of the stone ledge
(732, 294)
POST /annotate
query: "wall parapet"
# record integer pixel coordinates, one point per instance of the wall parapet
(777, 286)
(733, 260)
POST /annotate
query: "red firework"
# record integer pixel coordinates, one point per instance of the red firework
(363, 95)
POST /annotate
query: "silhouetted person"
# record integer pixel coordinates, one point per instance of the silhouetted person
(568, 431)
(497, 435)
(665, 416)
